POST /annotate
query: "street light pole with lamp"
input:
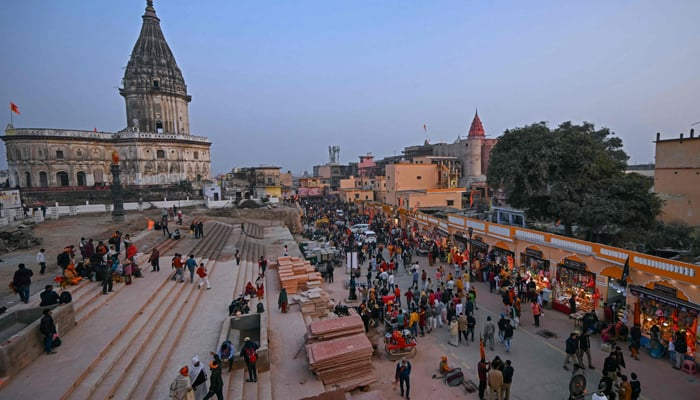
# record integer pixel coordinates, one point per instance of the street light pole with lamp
(471, 247)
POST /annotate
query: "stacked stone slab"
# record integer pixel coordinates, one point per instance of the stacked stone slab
(297, 274)
(344, 362)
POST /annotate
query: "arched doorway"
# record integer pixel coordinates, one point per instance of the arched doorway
(27, 179)
(82, 181)
(62, 178)
(43, 179)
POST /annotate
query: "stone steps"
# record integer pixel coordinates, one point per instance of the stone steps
(235, 386)
(141, 383)
(106, 373)
(90, 300)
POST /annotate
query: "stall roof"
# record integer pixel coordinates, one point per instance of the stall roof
(645, 293)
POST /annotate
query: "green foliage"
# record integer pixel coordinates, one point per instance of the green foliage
(573, 174)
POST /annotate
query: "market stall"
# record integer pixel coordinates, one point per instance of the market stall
(662, 308)
(500, 253)
(534, 266)
(572, 278)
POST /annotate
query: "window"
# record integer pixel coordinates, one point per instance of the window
(196, 155)
(62, 178)
(81, 179)
(59, 155)
(43, 179)
(159, 126)
(357, 195)
(450, 202)
(160, 154)
(269, 180)
(156, 84)
(419, 177)
(28, 179)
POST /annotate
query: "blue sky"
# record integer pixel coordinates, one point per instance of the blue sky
(277, 82)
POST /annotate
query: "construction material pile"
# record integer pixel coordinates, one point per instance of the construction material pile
(314, 302)
(333, 328)
(17, 237)
(344, 361)
(297, 274)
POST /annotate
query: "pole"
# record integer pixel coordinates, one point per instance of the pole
(471, 248)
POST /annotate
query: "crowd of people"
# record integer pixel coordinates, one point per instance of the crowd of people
(443, 295)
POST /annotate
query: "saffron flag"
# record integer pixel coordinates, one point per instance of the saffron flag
(471, 199)
(14, 108)
(425, 128)
(625, 272)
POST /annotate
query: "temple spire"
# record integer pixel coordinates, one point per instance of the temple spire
(477, 128)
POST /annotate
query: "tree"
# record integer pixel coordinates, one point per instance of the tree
(573, 174)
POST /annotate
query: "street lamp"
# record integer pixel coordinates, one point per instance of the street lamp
(471, 247)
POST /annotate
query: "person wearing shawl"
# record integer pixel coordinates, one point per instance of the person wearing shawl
(198, 379)
(180, 388)
(282, 300)
(70, 275)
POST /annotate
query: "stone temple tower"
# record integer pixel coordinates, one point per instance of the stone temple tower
(153, 87)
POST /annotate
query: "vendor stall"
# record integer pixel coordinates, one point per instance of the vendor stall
(535, 267)
(661, 310)
(500, 253)
(572, 278)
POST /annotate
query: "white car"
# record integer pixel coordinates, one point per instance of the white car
(369, 237)
(359, 228)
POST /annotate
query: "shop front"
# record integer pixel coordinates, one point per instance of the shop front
(661, 308)
(500, 253)
(573, 278)
(534, 266)
(615, 290)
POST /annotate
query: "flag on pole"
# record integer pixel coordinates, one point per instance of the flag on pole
(425, 128)
(625, 272)
(471, 199)
(14, 108)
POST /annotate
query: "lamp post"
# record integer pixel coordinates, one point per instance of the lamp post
(471, 247)
(118, 214)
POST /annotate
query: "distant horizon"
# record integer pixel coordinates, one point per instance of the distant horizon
(277, 83)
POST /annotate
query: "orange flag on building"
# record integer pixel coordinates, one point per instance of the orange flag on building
(14, 108)
(471, 199)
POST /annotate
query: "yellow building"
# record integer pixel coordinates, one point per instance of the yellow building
(267, 181)
(418, 185)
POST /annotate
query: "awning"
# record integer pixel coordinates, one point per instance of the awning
(644, 293)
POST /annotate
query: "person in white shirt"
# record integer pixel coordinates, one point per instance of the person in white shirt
(391, 281)
(41, 260)
(458, 308)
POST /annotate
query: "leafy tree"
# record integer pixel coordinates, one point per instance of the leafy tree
(573, 174)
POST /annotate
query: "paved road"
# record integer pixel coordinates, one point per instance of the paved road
(537, 361)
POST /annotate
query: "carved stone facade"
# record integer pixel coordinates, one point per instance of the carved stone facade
(156, 148)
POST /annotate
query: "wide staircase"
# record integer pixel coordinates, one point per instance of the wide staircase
(251, 247)
(129, 344)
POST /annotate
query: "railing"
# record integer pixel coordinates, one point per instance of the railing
(71, 133)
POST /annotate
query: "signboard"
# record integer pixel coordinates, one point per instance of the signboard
(10, 199)
(574, 264)
(533, 253)
(668, 291)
